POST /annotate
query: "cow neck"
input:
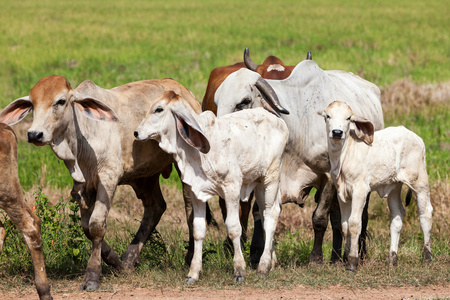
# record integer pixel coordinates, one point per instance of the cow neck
(342, 159)
(65, 146)
(337, 153)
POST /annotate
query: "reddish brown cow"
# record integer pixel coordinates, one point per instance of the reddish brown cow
(271, 68)
(12, 201)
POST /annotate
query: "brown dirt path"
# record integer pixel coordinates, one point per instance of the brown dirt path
(123, 292)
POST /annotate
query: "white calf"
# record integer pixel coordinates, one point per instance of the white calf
(229, 157)
(364, 161)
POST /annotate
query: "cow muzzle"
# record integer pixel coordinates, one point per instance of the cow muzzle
(140, 137)
(35, 137)
(337, 134)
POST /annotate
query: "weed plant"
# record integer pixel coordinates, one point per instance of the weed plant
(65, 247)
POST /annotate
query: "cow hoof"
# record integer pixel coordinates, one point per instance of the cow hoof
(190, 281)
(315, 259)
(393, 259)
(238, 279)
(352, 265)
(427, 256)
(89, 286)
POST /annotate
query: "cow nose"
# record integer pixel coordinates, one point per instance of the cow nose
(136, 134)
(35, 136)
(337, 133)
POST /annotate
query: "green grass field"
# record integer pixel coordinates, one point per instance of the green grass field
(115, 42)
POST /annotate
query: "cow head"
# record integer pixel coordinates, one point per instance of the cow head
(168, 117)
(340, 119)
(246, 89)
(52, 100)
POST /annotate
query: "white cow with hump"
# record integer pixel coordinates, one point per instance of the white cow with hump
(305, 162)
(229, 157)
(364, 161)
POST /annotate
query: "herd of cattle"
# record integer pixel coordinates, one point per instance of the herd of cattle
(262, 133)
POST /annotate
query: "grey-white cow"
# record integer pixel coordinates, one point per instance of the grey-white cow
(364, 161)
(100, 155)
(229, 157)
(305, 162)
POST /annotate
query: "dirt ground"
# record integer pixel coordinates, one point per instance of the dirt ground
(123, 292)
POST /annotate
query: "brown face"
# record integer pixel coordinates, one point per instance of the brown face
(50, 100)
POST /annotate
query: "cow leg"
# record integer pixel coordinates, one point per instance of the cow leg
(2, 235)
(149, 191)
(244, 212)
(257, 245)
(97, 229)
(234, 230)
(84, 200)
(30, 226)
(269, 199)
(357, 203)
(336, 226)
(397, 211)
(187, 195)
(320, 220)
(425, 211)
(199, 232)
(362, 242)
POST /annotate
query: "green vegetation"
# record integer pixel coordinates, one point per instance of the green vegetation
(115, 42)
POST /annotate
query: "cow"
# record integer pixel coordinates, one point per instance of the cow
(229, 156)
(21, 215)
(91, 130)
(363, 161)
(305, 162)
(272, 68)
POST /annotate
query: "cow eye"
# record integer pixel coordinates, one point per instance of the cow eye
(61, 102)
(328, 116)
(348, 119)
(244, 103)
(158, 109)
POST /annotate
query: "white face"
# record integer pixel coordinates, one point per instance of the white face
(154, 125)
(238, 92)
(338, 118)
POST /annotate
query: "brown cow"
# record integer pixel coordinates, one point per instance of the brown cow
(101, 154)
(271, 68)
(12, 201)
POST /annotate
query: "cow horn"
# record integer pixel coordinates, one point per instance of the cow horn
(265, 88)
(309, 56)
(249, 63)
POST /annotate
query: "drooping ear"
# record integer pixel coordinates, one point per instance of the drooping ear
(189, 129)
(363, 128)
(322, 113)
(93, 108)
(16, 111)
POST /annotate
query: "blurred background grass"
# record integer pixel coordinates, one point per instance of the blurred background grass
(115, 42)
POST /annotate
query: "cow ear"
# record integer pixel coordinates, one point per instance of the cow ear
(190, 131)
(94, 109)
(16, 111)
(363, 128)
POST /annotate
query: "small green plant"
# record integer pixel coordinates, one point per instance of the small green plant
(64, 245)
